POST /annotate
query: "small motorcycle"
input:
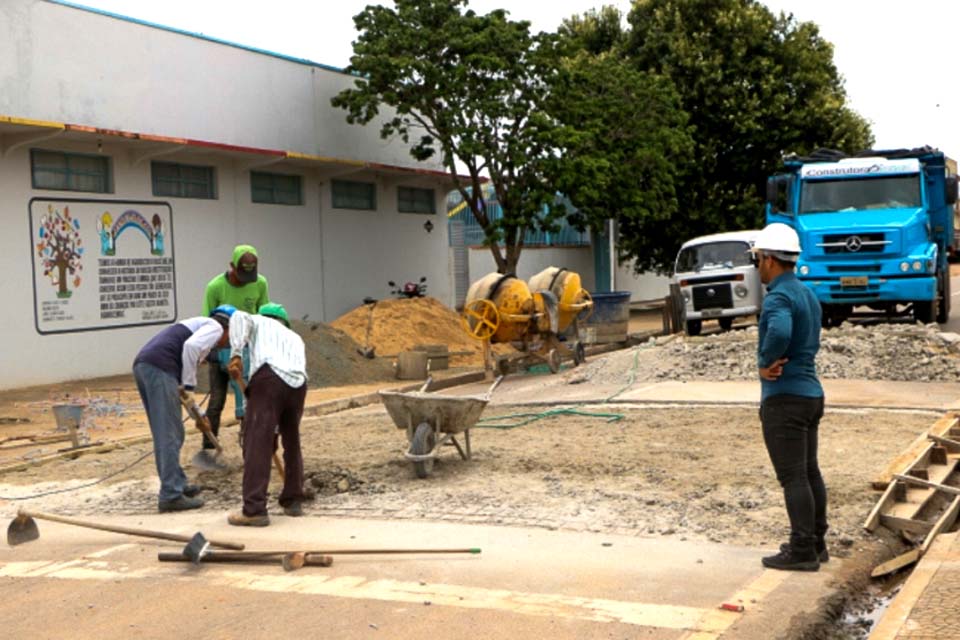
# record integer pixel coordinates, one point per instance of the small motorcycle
(410, 289)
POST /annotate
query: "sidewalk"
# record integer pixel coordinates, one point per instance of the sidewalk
(928, 605)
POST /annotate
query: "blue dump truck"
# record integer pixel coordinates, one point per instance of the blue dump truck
(876, 230)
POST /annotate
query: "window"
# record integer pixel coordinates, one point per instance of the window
(275, 188)
(69, 171)
(354, 195)
(414, 200)
(182, 181)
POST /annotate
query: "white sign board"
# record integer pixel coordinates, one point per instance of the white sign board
(860, 167)
(101, 264)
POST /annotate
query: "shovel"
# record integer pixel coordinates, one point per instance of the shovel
(366, 350)
(24, 528)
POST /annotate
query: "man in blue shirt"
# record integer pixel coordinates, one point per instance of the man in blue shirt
(791, 402)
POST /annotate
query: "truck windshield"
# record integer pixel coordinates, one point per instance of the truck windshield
(713, 255)
(853, 194)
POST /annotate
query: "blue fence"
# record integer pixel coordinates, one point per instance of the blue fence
(458, 211)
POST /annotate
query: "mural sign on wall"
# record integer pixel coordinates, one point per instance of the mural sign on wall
(101, 264)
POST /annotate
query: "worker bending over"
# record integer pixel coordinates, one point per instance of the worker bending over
(275, 397)
(167, 361)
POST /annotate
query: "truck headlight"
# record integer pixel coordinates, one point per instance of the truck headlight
(904, 266)
(741, 291)
(804, 270)
(917, 265)
(686, 297)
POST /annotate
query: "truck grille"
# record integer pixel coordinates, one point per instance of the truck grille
(718, 296)
(854, 243)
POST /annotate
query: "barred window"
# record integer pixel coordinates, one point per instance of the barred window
(276, 188)
(348, 194)
(183, 180)
(414, 200)
(69, 171)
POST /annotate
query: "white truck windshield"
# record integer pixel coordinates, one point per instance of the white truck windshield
(713, 255)
(854, 194)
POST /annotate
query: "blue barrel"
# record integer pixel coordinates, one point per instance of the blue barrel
(609, 320)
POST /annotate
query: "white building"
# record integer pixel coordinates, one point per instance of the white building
(134, 157)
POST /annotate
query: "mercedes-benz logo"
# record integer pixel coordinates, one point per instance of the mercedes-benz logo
(853, 244)
(711, 293)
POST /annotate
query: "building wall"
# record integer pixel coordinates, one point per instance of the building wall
(65, 65)
(70, 65)
(644, 286)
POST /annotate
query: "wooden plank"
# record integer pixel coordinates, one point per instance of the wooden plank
(945, 522)
(930, 485)
(945, 425)
(885, 502)
(952, 446)
(901, 561)
(905, 524)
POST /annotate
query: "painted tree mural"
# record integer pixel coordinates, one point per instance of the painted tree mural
(60, 249)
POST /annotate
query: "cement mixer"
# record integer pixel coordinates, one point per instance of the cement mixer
(531, 316)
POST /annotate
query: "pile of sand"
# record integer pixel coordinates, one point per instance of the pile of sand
(403, 323)
(333, 360)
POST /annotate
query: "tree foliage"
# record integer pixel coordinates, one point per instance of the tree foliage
(755, 86)
(466, 87)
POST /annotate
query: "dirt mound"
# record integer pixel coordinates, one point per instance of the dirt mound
(332, 358)
(401, 324)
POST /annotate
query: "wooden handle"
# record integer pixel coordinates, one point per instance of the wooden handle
(249, 557)
(144, 533)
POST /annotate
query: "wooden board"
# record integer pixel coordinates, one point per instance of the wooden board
(945, 522)
(901, 561)
(942, 428)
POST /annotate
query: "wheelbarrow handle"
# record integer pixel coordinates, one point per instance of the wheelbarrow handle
(496, 383)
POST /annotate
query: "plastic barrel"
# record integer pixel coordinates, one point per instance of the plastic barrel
(609, 320)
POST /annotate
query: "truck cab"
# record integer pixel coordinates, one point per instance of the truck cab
(717, 279)
(876, 230)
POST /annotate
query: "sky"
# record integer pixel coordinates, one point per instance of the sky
(900, 59)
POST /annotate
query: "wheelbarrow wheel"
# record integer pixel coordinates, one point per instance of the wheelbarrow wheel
(553, 361)
(579, 355)
(423, 442)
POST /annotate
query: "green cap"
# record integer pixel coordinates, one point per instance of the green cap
(275, 310)
(246, 273)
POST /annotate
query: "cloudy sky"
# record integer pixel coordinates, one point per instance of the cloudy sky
(901, 60)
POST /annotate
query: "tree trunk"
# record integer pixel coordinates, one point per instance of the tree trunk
(62, 269)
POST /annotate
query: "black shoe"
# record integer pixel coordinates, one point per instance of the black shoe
(792, 560)
(191, 490)
(822, 554)
(294, 509)
(183, 503)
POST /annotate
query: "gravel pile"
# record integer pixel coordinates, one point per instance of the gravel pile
(902, 352)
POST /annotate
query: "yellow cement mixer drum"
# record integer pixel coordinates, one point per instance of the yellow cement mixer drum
(512, 308)
(572, 298)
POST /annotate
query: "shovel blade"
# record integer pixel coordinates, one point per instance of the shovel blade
(22, 529)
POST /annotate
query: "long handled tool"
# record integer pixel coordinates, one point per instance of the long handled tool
(291, 560)
(367, 351)
(24, 528)
(199, 419)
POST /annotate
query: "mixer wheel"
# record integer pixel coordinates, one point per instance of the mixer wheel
(553, 360)
(480, 319)
(579, 355)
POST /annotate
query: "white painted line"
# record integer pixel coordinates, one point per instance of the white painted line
(362, 588)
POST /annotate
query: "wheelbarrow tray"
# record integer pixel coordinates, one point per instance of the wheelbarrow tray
(448, 414)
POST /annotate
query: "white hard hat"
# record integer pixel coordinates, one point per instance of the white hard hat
(778, 240)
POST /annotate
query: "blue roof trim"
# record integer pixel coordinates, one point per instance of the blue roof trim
(199, 36)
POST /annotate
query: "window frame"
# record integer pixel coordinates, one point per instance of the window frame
(106, 176)
(181, 182)
(275, 189)
(349, 205)
(421, 190)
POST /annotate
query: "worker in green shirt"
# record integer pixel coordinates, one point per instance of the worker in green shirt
(244, 288)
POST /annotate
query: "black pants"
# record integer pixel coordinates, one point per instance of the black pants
(271, 403)
(790, 426)
(219, 386)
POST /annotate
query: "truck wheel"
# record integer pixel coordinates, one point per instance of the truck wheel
(926, 311)
(726, 323)
(693, 327)
(943, 312)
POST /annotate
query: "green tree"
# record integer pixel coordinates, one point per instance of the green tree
(754, 86)
(624, 145)
(470, 89)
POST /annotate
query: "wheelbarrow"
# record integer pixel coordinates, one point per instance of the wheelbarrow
(433, 420)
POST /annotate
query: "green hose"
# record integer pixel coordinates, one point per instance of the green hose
(523, 419)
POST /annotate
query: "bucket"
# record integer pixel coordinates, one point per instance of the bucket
(609, 320)
(68, 416)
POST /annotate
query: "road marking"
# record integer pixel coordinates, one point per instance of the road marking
(719, 620)
(601, 610)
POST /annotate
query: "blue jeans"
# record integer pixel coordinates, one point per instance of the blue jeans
(159, 392)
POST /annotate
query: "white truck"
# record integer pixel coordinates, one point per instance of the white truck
(717, 279)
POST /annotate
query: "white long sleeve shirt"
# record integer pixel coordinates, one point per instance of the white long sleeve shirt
(206, 334)
(270, 344)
